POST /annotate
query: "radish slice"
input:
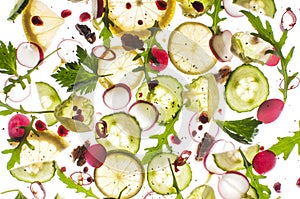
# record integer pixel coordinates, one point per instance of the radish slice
(17, 93)
(217, 147)
(220, 45)
(270, 110)
(232, 9)
(197, 129)
(117, 96)
(233, 185)
(97, 8)
(145, 112)
(102, 52)
(67, 50)
(288, 20)
(29, 54)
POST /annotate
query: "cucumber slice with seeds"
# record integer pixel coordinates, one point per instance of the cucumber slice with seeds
(159, 175)
(246, 88)
(17, 9)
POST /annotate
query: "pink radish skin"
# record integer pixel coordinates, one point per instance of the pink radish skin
(232, 9)
(233, 185)
(264, 161)
(273, 61)
(13, 125)
(29, 54)
(98, 8)
(117, 97)
(220, 45)
(270, 110)
(95, 155)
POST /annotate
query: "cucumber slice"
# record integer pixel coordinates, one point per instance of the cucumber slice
(246, 88)
(233, 160)
(265, 7)
(202, 192)
(159, 174)
(166, 96)
(38, 171)
(49, 99)
(123, 132)
(251, 194)
(121, 169)
(17, 9)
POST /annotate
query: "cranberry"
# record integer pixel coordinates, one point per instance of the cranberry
(298, 182)
(62, 131)
(161, 5)
(40, 125)
(140, 22)
(65, 13)
(128, 5)
(37, 21)
(203, 118)
(63, 169)
(198, 6)
(85, 16)
(277, 187)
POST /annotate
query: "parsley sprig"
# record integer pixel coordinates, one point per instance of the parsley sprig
(266, 33)
(79, 76)
(15, 152)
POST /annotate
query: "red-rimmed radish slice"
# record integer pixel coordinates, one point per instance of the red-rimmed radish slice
(220, 45)
(288, 20)
(29, 54)
(67, 50)
(197, 129)
(97, 8)
(17, 93)
(117, 97)
(217, 147)
(270, 110)
(102, 52)
(145, 112)
(232, 9)
(38, 190)
(233, 185)
(153, 195)
(264, 161)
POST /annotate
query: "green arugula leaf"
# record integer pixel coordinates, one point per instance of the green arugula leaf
(266, 33)
(242, 130)
(162, 140)
(16, 152)
(19, 196)
(72, 185)
(262, 191)
(175, 184)
(8, 59)
(105, 33)
(286, 145)
(81, 76)
(215, 16)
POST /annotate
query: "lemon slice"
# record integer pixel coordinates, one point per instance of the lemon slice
(40, 23)
(189, 48)
(121, 171)
(138, 15)
(120, 69)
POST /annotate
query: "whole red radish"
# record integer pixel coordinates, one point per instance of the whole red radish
(95, 155)
(270, 110)
(264, 161)
(14, 130)
(161, 57)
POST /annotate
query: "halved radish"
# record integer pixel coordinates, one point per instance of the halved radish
(29, 54)
(102, 52)
(117, 96)
(232, 9)
(68, 49)
(217, 147)
(17, 93)
(233, 185)
(273, 60)
(270, 110)
(264, 161)
(97, 8)
(220, 44)
(145, 112)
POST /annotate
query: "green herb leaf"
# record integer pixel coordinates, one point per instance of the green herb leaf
(215, 16)
(162, 139)
(175, 184)
(8, 59)
(105, 33)
(242, 130)
(72, 185)
(19, 196)
(286, 145)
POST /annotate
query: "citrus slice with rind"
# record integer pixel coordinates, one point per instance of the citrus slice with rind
(202, 192)
(121, 171)
(189, 49)
(40, 23)
(139, 15)
(120, 70)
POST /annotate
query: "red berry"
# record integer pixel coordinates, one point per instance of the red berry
(85, 16)
(65, 13)
(277, 187)
(161, 57)
(40, 125)
(62, 131)
(298, 182)
(264, 161)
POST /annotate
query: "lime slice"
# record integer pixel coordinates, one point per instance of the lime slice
(120, 69)
(202, 192)
(40, 23)
(120, 171)
(189, 49)
(40, 171)
(246, 88)
(49, 99)
(233, 160)
(17, 9)
(159, 174)
(123, 132)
